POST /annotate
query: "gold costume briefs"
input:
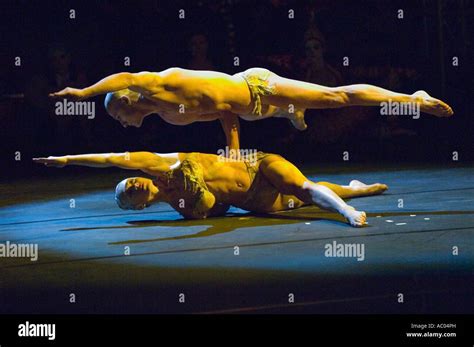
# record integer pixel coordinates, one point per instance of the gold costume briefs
(258, 82)
(187, 183)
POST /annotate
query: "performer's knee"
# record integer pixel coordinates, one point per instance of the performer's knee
(301, 191)
(291, 188)
(339, 96)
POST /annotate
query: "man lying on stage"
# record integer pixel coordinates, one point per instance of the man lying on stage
(199, 185)
(181, 97)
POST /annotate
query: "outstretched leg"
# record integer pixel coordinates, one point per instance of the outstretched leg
(295, 115)
(355, 189)
(309, 95)
(289, 180)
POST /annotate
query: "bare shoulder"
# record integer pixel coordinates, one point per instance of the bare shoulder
(146, 81)
(203, 158)
(172, 77)
(146, 75)
(172, 71)
(271, 158)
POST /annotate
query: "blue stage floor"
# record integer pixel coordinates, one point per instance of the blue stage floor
(408, 250)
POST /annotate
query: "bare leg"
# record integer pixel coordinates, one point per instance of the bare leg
(355, 189)
(289, 180)
(325, 198)
(310, 95)
(296, 116)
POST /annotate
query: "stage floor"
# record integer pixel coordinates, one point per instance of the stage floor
(408, 250)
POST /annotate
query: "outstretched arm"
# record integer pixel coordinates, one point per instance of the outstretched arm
(231, 126)
(145, 161)
(123, 80)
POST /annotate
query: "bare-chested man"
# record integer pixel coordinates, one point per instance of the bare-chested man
(181, 97)
(199, 185)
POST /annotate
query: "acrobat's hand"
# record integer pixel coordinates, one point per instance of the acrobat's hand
(69, 93)
(52, 161)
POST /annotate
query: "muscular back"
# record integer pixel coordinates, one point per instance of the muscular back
(183, 96)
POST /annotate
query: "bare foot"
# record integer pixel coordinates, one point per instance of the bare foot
(297, 119)
(355, 218)
(432, 105)
(376, 188)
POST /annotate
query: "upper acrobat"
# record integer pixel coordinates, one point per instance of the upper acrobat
(181, 96)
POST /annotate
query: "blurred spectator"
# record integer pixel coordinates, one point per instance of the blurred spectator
(324, 125)
(198, 47)
(62, 73)
(316, 69)
(342, 125)
(60, 131)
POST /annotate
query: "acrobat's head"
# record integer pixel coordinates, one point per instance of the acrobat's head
(136, 193)
(124, 106)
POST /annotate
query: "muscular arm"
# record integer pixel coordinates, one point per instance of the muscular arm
(145, 161)
(139, 82)
(231, 126)
(110, 83)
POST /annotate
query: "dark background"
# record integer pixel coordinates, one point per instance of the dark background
(400, 54)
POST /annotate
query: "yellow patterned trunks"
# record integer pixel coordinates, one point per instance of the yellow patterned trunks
(188, 180)
(258, 81)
